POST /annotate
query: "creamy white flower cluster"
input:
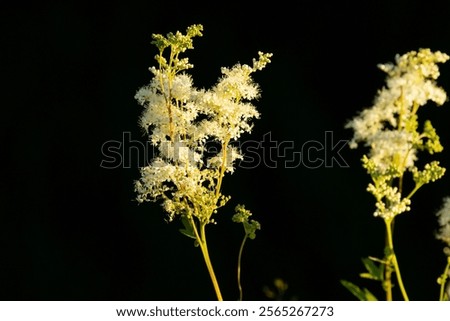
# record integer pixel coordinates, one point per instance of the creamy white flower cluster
(390, 128)
(444, 222)
(180, 119)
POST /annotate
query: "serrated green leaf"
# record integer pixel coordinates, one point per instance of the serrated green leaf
(375, 271)
(388, 252)
(361, 294)
(368, 276)
(188, 230)
(369, 295)
(187, 233)
(354, 289)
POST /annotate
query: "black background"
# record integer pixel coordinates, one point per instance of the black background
(71, 230)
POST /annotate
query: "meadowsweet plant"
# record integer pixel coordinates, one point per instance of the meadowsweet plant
(395, 137)
(183, 123)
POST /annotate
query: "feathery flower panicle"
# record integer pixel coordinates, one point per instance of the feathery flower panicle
(410, 84)
(391, 130)
(185, 175)
(180, 119)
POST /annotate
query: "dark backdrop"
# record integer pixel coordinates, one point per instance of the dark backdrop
(71, 230)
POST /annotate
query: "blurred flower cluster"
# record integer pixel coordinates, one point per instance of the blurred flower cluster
(391, 130)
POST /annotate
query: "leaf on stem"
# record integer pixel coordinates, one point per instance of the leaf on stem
(362, 294)
(375, 272)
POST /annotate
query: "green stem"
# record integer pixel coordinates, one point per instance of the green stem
(443, 280)
(393, 259)
(223, 167)
(388, 271)
(388, 281)
(205, 252)
(201, 239)
(239, 267)
(416, 188)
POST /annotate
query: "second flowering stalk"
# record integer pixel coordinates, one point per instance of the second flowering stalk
(392, 132)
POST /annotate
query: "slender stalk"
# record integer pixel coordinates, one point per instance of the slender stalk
(388, 281)
(204, 249)
(223, 167)
(201, 239)
(414, 190)
(443, 280)
(205, 252)
(393, 259)
(239, 266)
(388, 271)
